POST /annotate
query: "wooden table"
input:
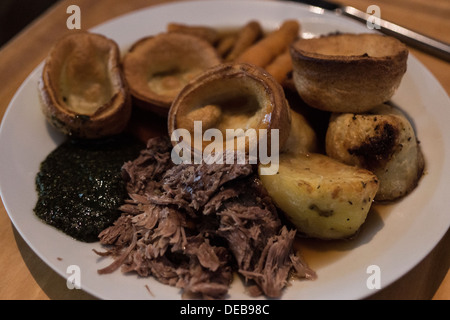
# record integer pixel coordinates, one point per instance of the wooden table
(26, 276)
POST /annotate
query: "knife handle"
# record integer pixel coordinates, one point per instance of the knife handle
(324, 4)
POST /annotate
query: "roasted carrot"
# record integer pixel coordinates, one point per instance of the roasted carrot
(246, 37)
(269, 47)
(280, 66)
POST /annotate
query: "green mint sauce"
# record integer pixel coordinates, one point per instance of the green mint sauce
(80, 185)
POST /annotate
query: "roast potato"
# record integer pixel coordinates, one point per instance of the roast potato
(382, 141)
(322, 197)
(302, 137)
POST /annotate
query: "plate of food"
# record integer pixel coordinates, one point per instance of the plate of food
(358, 198)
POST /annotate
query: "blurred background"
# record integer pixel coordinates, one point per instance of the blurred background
(17, 14)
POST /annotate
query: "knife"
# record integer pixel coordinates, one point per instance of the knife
(414, 39)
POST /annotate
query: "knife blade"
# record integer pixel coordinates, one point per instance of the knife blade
(412, 38)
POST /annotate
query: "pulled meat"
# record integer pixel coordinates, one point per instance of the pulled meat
(193, 225)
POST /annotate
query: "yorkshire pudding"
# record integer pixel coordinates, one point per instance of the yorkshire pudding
(82, 88)
(348, 72)
(157, 67)
(233, 96)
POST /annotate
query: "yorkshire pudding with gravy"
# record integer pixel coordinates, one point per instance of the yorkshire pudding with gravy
(232, 96)
(157, 67)
(348, 72)
(82, 89)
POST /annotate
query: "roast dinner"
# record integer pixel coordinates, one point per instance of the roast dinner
(343, 147)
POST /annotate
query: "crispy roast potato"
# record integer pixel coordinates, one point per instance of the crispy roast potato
(322, 197)
(382, 141)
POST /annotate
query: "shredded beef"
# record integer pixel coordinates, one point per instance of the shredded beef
(193, 225)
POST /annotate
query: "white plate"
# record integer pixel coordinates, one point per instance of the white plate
(395, 238)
